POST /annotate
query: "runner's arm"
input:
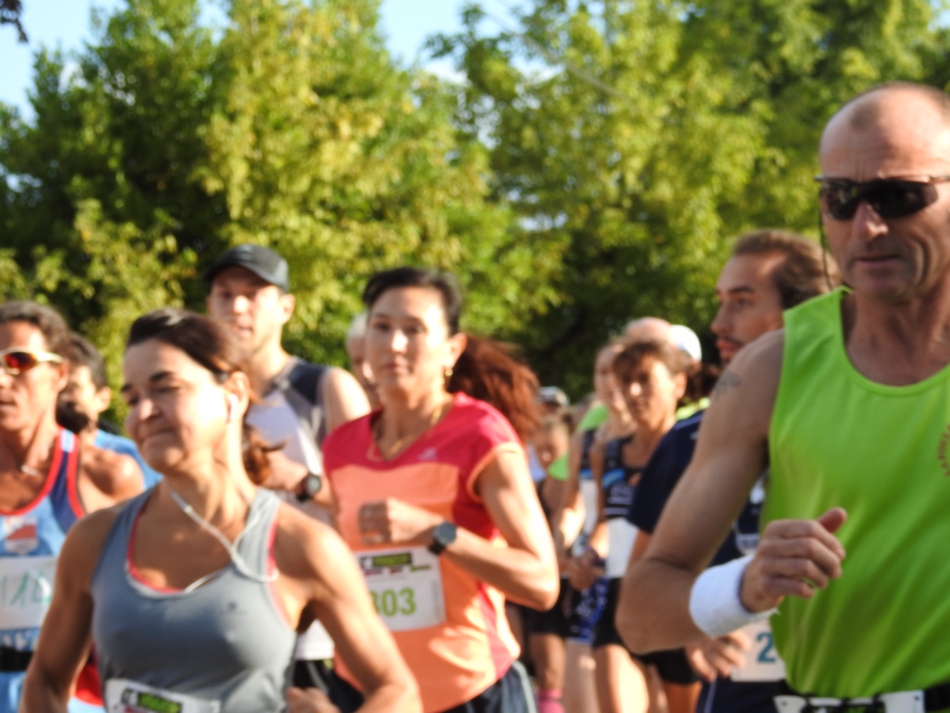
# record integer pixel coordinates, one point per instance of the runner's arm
(526, 570)
(730, 454)
(339, 599)
(344, 398)
(568, 518)
(65, 637)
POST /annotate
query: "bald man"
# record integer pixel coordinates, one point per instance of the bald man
(849, 406)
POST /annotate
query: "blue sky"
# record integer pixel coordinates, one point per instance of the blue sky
(66, 23)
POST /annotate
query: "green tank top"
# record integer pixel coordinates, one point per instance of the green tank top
(880, 452)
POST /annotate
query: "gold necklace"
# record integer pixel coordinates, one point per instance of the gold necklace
(405, 441)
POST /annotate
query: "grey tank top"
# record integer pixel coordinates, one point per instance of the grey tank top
(225, 641)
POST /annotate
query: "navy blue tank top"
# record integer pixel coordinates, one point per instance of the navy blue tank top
(618, 492)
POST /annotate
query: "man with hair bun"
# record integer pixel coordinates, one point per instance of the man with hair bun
(849, 407)
(769, 271)
(49, 479)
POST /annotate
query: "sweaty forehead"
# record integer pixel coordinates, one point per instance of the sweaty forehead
(23, 335)
(898, 133)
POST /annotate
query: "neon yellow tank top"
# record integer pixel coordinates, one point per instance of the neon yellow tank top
(882, 453)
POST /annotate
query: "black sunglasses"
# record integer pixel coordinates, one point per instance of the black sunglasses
(889, 197)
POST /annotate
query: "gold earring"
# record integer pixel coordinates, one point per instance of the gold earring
(447, 376)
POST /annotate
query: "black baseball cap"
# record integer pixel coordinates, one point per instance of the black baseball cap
(263, 262)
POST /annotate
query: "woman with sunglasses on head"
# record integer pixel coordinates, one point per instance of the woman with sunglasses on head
(48, 480)
(194, 592)
(435, 498)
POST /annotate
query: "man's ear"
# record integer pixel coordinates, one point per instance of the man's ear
(103, 399)
(287, 304)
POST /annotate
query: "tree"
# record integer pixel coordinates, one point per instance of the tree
(291, 128)
(10, 12)
(645, 136)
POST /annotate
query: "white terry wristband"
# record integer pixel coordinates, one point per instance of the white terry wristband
(714, 602)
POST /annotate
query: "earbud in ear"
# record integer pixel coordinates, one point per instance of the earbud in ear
(232, 407)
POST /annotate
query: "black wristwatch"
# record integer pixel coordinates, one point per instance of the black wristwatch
(312, 483)
(443, 535)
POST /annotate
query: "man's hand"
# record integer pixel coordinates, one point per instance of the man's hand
(395, 521)
(309, 700)
(583, 571)
(718, 657)
(794, 558)
(285, 474)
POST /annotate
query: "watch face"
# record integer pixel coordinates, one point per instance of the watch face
(445, 533)
(312, 484)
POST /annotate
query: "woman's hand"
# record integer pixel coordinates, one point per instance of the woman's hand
(394, 521)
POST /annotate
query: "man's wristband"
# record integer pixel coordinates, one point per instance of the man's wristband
(714, 602)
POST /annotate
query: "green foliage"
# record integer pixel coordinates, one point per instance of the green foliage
(646, 136)
(292, 127)
(594, 165)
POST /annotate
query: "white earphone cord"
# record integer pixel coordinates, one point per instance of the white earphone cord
(232, 548)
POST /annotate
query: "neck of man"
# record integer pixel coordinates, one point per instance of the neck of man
(409, 414)
(898, 343)
(264, 364)
(30, 446)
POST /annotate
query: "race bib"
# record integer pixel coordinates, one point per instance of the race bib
(26, 588)
(406, 586)
(762, 660)
(124, 696)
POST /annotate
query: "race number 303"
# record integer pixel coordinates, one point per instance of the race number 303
(406, 587)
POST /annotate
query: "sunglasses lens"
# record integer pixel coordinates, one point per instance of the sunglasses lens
(841, 200)
(895, 199)
(19, 361)
(890, 199)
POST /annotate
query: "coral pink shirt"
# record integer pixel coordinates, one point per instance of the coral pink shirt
(472, 646)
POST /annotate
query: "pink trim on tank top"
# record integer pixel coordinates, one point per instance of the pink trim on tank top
(271, 568)
(50, 479)
(130, 564)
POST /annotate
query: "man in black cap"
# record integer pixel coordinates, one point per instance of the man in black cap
(298, 403)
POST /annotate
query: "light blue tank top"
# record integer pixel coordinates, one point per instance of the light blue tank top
(225, 644)
(30, 541)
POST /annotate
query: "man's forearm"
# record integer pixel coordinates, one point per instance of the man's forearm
(653, 612)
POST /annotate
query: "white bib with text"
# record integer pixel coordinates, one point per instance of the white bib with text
(406, 586)
(762, 660)
(26, 588)
(124, 696)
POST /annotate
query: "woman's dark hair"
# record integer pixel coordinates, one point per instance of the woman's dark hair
(211, 345)
(443, 282)
(699, 378)
(488, 370)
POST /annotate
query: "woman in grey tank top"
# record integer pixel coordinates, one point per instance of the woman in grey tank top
(195, 590)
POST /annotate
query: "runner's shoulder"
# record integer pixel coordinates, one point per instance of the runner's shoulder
(304, 547)
(754, 373)
(86, 538)
(113, 474)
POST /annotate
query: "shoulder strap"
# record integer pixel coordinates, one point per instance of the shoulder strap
(302, 386)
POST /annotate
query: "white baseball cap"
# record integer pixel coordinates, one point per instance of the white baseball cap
(686, 340)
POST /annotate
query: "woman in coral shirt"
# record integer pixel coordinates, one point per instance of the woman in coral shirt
(434, 496)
